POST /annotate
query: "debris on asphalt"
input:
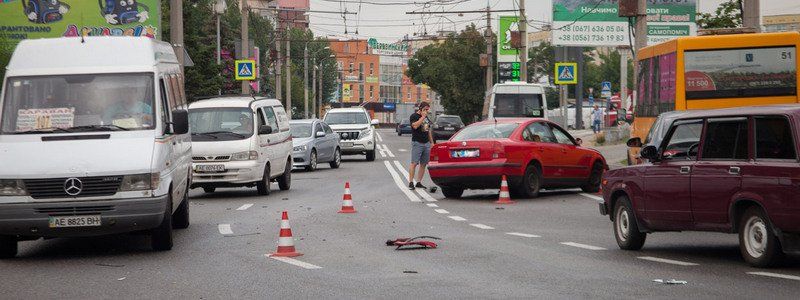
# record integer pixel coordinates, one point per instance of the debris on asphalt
(670, 281)
(433, 189)
(121, 279)
(418, 241)
(499, 208)
(410, 272)
(109, 265)
(284, 199)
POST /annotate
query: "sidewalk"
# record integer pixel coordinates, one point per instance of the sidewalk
(614, 154)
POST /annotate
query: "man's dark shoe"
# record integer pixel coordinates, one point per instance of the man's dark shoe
(419, 185)
(411, 186)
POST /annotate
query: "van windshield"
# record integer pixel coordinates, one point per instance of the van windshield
(78, 103)
(518, 105)
(221, 124)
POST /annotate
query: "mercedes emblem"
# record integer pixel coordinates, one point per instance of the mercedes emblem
(73, 186)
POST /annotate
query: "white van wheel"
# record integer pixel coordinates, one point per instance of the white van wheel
(161, 237)
(263, 185)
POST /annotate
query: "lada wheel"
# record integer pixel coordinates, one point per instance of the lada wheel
(626, 230)
(757, 242)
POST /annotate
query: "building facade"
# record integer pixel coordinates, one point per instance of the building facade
(778, 23)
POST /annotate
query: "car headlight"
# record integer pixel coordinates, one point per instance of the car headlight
(301, 148)
(140, 182)
(12, 187)
(366, 132)
(246, 155)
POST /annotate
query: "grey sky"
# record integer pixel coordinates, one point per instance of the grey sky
(390, 22)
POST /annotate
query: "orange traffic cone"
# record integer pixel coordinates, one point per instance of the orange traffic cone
(285, 240)
(505, 198)
(347, 201)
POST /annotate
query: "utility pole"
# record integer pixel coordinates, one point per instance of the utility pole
(314, 88)
(523, 38)
(623, 78)
(245, 42)
(751, 14)
(278, 67)
(176, 30)
(641, 42)
(288, 75)
(321, 93)
(577, 54)
(305, 81)
(489, 75)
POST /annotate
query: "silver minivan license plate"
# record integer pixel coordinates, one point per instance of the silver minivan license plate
(211, 168)
(75, 221)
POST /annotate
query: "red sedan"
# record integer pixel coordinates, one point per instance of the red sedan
(532, 153)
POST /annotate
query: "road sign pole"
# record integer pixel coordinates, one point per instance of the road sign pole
(577, 55)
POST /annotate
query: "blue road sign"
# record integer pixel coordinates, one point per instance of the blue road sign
(245, 70)
(605, 92)
(566, 73)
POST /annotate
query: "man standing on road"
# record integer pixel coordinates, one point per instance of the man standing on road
(597, 119)
(421, 140)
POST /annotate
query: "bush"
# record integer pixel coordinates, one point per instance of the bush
(600, 138)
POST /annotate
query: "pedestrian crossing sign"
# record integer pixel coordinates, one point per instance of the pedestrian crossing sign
(245, 70)
(566, 73)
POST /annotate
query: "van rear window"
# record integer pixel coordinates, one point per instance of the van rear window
(518, 105)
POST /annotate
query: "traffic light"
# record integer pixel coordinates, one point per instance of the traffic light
(508, 71)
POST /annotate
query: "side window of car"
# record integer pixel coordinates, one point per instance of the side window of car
(774, 138)
(164, 111)
(526, 135)
(318, 128)
(561, 136)
(725, 139)
(328, 129)
(684, 140)
(261, 120)
(271, 120)
(542, 133)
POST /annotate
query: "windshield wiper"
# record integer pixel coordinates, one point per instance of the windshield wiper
(212, 133)
(45, 130)
(206, 134)
(108, 127)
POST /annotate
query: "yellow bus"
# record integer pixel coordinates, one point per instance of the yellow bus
(715, 71)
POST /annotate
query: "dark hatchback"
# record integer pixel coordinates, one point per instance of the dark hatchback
(446, 126)
(404, 127)
(727, 170)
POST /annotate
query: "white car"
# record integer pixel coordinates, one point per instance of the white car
(356, 131)
(240, 141)
(93, 141)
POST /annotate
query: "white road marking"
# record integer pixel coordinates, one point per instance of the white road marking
(245, 207)
(441, 211)
(589, 247)
(421, 192)
(295, 262)
(593, 197)
(775, 275)
(400, 183)
(523, 234)
(432, 205)
(457, 218)
(481, 226)
(667, 261)
(402, 150)
(386, 149)
(381, 154)
(402, 170)
(225, 228)
(378, 135)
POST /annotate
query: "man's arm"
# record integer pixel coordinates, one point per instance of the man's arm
(418, 123)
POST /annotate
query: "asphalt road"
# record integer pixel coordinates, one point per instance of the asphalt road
(555, 246)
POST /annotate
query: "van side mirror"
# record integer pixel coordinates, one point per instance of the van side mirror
(635, 142)
(375, 122)
(649, 152)
(180, 121)
(264, 129)
(320, 134)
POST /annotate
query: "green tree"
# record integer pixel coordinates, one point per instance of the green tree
(6, 49)
(541, 60)
(727, 15)
(606, 70)
(452, 69)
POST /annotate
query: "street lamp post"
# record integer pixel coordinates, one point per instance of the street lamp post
(219, 9)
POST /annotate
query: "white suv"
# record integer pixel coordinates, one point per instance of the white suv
(240, 141)
(356, 132)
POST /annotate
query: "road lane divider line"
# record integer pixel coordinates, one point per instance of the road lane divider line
(402, 150)
(245, 207)
(583, 246)
(225, 229)
(378, 135)
(386, 148)
(457, 218)
(523, 234)
(295, 262)
(481, 226)
(441, 211)
(400, 183)
(402, 170)
(381, 154)
(421, 192)
(593, 197)
(432, 205)
(667, 261)
(775, 275)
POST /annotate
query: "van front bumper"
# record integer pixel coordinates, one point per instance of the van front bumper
(236, 173)
(32, 220)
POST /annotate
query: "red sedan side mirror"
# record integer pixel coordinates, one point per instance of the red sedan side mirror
(578, 141)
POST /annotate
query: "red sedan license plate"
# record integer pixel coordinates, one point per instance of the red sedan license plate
(465, 153)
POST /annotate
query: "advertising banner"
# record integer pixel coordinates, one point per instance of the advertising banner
(505, 52)
(752, 72)
(32, 19)
(597, 23)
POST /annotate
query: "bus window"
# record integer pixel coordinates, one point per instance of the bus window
(748, 72)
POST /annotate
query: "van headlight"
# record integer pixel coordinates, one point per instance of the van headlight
(245, 155)
(12, 187)
(365, 133)
(140, 182)
(301, 148)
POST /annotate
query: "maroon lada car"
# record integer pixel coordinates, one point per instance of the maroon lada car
(727, 170)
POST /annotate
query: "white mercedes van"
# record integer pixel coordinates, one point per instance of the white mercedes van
(517, 100)
(240, 141)
(93, 141)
